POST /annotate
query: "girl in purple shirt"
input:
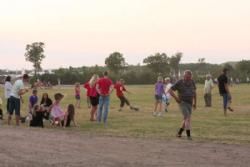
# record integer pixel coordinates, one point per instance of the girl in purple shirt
(159, 91)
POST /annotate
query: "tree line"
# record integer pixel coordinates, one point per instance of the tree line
(153, 66)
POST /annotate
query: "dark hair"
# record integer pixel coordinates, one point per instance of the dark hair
(71, 111)
(34, 91)
(105, 73)
(25, 76)
(58, 96)
(225, 70)
(7, 79)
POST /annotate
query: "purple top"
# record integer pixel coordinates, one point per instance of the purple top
(33, 100)
(159, 88)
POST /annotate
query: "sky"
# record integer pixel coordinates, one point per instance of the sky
(84, 32)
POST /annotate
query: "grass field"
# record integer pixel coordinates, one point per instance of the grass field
(207, 123)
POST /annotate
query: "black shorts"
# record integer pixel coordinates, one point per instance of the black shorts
(94, 101)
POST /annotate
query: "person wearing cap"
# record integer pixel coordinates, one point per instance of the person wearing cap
(17, 91)
(223, 85)
(208, 90)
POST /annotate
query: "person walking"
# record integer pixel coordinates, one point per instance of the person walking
(186, 99)
(223, 85)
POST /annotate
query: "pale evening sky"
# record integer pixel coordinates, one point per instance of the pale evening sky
(85, 32)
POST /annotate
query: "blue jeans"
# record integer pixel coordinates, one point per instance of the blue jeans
(226, 100)
(103, 105)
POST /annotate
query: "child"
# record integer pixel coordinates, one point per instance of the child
(37, 116)
(1, 110)
(69, 116)
(33, 99)
(120, 88)
(56, 111)
(77, 94)
(159, 91)
(46, 104)
(166, 97)
(87, 87)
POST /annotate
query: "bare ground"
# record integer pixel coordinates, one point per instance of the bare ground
(30, 147)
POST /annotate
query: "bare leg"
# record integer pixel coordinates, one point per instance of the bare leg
(17, 120)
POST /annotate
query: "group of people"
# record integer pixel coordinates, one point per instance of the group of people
(98, 98)
(187, 97)
(37, 112)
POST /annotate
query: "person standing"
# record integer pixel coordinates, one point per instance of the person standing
(159, 92)
(7, 91)
(223, 85)
(94, 96)
(104, 88)
(17, 91)
(186, 99)
(208, 91)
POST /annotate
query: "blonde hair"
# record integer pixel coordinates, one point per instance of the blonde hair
(93, 80)
(160, 79)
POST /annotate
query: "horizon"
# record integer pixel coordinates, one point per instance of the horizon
(83, 33)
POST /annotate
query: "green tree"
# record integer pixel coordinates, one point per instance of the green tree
(158, 63)
(243, 68)
(175, 63)
(35, 54)
(115, 62)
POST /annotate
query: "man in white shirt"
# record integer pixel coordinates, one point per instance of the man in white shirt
(208, 90)
(17, 91)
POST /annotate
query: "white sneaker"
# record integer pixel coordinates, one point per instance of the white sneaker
(159, 114)
(154, 113)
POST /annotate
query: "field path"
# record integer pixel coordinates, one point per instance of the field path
(30, 147)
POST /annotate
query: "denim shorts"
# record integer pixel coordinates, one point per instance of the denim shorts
(77, 97)
(14, 106)
(158, 98)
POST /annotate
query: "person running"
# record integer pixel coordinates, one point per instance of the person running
(120, 88)
(166, 97)
(224, 91)
(186, 99)
(208, 90)
(159, 91)
(17, 91)
(104, 88)
(7, 91)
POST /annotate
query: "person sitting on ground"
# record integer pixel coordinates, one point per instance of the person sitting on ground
(1, 110)
(69, 116)
(37, 116)
(120, 88)
(46, 104)
(57, 113)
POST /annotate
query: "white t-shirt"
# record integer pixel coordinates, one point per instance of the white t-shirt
(167, 87)
(208, 86)
(7, 89)
(18, 85)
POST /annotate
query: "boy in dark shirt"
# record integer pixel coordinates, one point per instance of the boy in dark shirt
(223, 86)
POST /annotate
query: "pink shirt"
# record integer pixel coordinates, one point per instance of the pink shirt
(56, 111)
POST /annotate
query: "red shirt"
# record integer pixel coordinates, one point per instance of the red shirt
(87, 87)
(119, 89)
(104, 85)
(93, 91)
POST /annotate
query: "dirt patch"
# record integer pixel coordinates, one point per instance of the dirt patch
(53, 147)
